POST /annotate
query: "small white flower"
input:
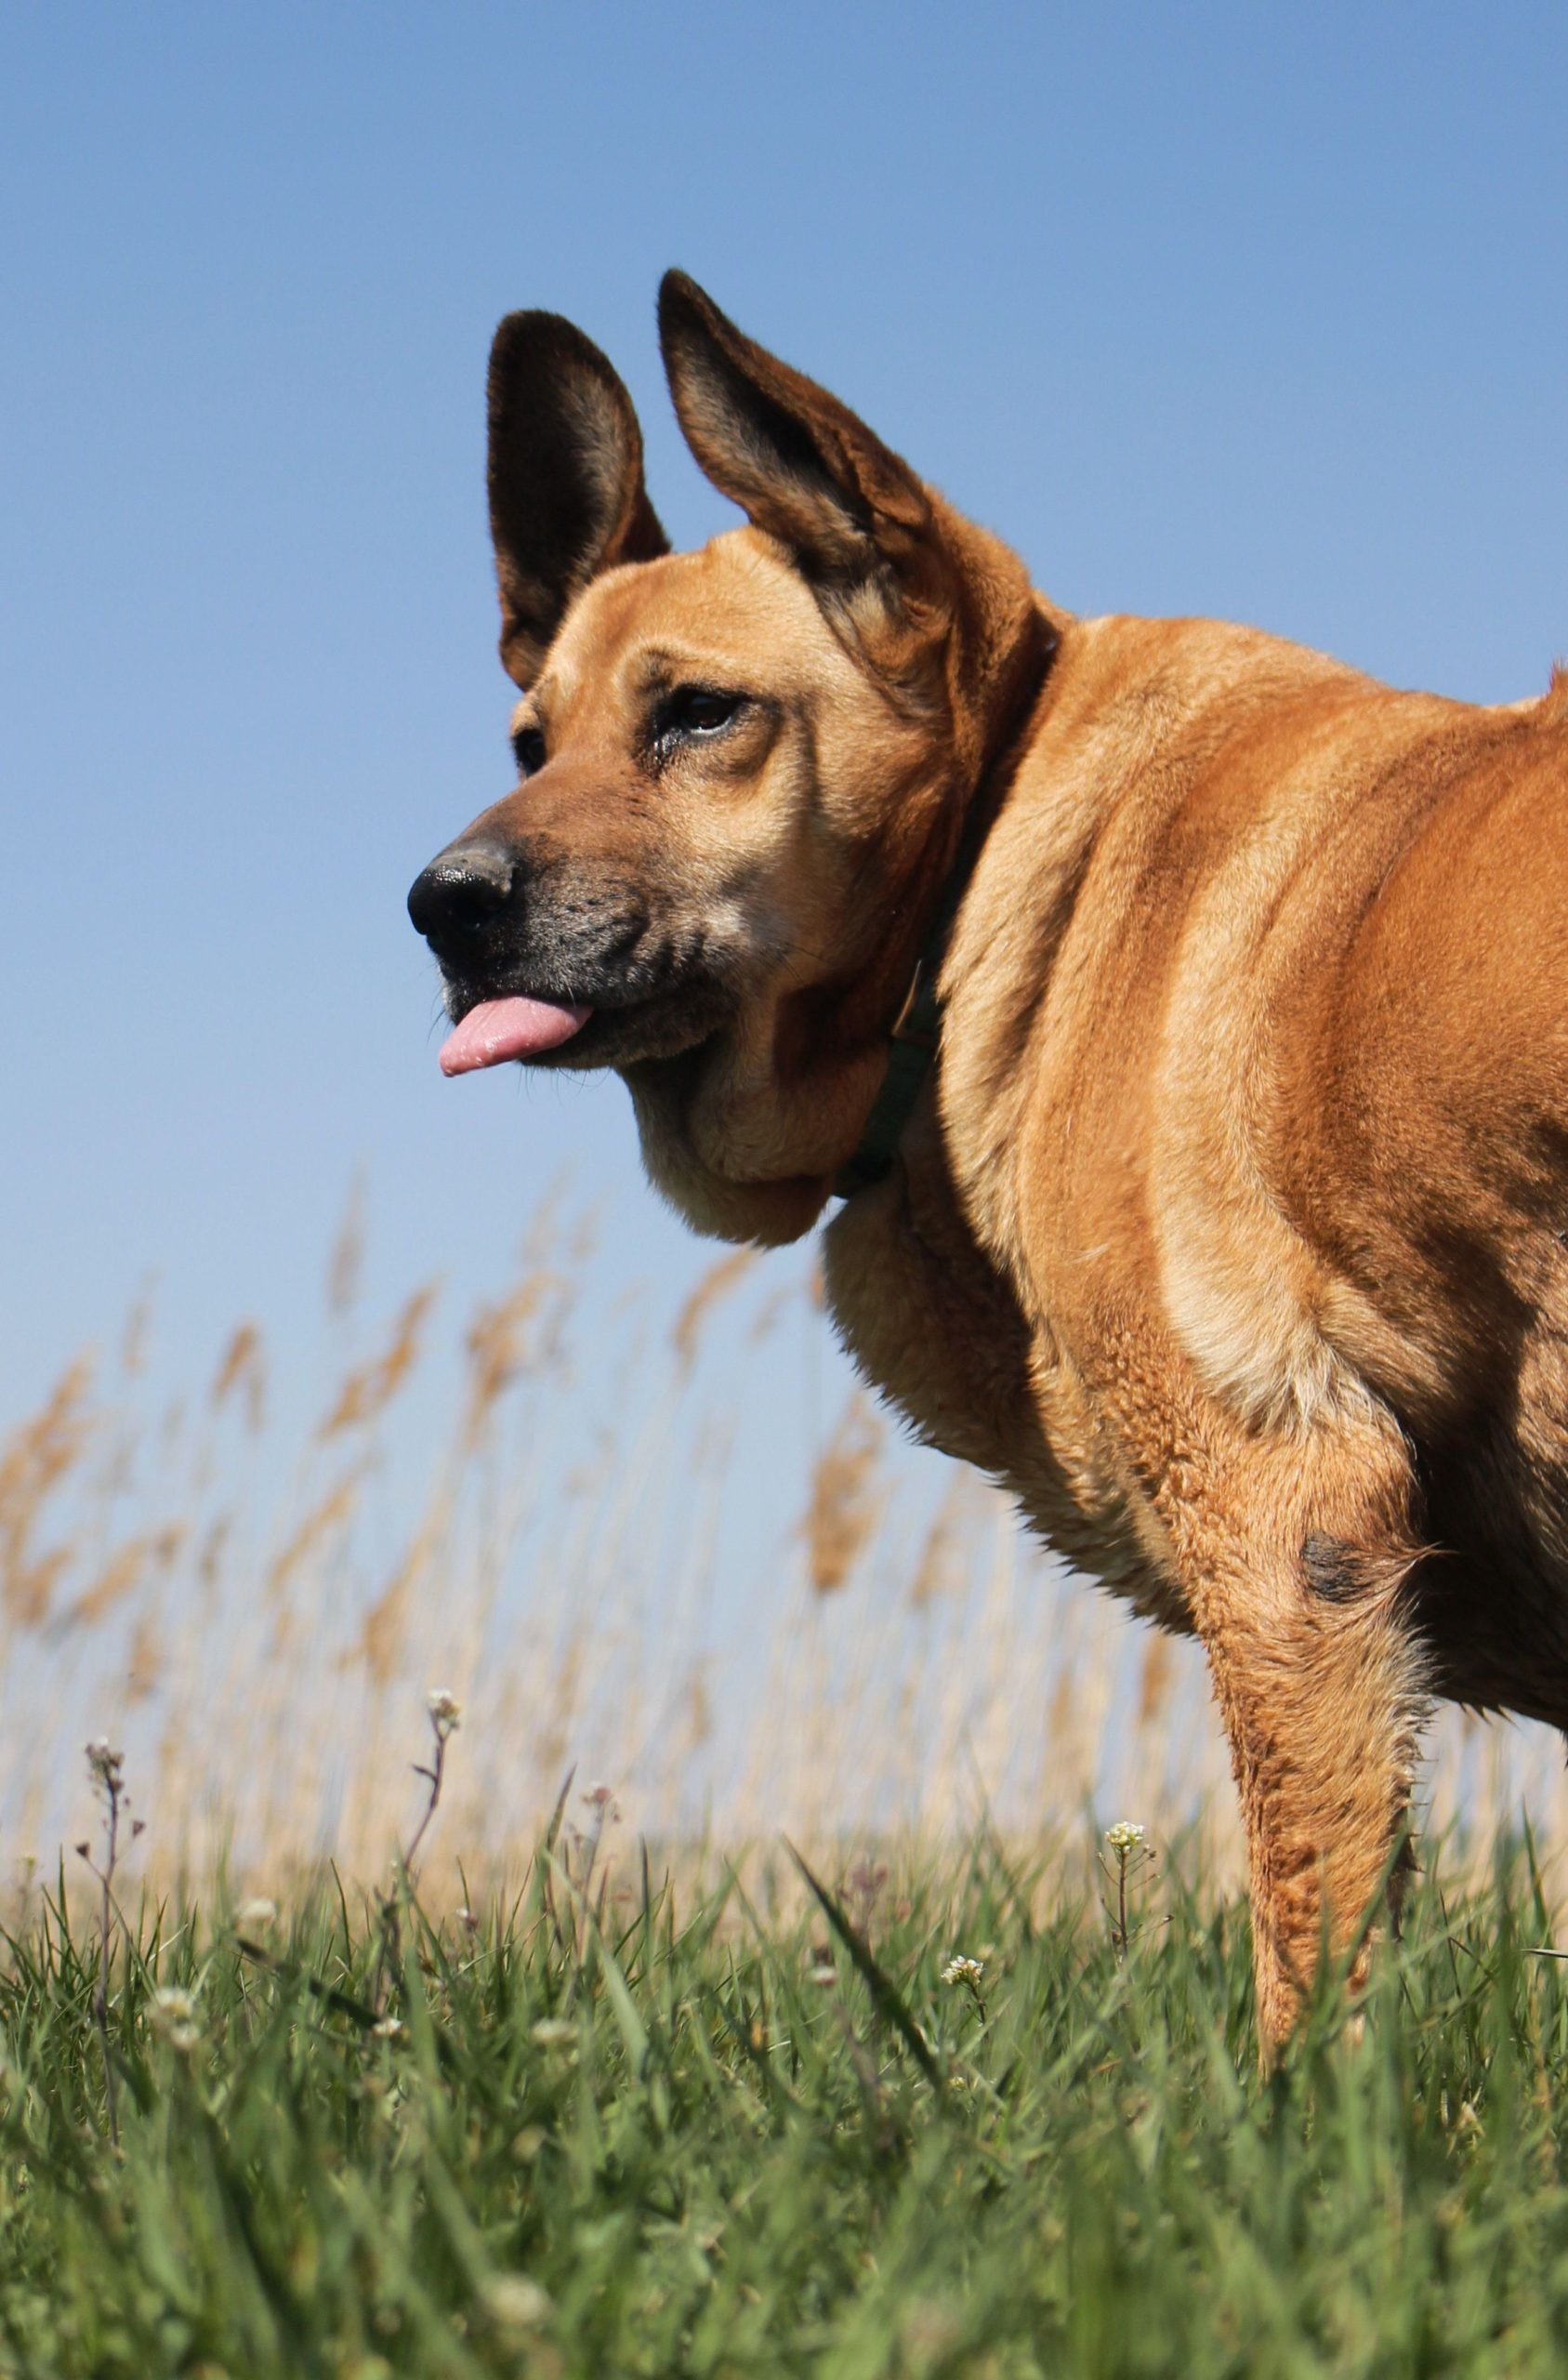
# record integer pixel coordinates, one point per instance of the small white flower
(388, 2028)
(468, 1920)
(106, 1765)
(515, 2302)
(176, 2017)
(823, 1973)
(446, 1711)
(1126, 1835)
(964, 1971)
(255, 1916)
(553, 2032)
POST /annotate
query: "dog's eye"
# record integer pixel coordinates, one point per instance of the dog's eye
(696, 710)
(528, 750)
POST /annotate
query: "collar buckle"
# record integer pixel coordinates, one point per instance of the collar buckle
(920, 1020)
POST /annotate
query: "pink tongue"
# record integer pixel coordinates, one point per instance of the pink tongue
(497, 1030)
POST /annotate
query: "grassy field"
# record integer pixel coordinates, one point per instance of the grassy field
(648, 2111)
(617, 2126)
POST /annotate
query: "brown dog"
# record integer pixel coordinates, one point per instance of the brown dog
(1227, 1227)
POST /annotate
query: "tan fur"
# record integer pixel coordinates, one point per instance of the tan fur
(1229, 1231)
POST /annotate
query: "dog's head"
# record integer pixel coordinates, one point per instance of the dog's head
(741, 773)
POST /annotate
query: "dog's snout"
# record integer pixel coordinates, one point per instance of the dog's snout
(461, 891)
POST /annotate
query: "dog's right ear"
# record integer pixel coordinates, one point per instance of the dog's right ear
(567, 498)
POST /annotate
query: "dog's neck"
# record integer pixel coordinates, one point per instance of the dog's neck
(917, 1029)
(744, 1154)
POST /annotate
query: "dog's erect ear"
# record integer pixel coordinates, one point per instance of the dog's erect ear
(567, 498)
(801, 465)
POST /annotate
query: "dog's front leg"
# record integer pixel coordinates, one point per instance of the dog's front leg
(1295, 1553)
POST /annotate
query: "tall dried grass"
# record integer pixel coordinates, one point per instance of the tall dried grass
(596, 1532)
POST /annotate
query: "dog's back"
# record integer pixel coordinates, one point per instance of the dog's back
(1271, 963)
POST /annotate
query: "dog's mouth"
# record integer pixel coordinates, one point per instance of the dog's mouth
(654, 1011)
(493, 1032)
(571, 974)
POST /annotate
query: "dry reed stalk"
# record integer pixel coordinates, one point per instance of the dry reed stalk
(36, 1460)
(713, 1287)
(1106, 1716)
(242, 1373)
(667, 1747)
(345, 1265)
(555, 1736)
(1060, 1748)
(521, 1332)
(128, 1569)
(384, 1627)
(757, 1796)
(370, 1387)
(146, 1661)
(1154, 1676)
(937, 1571)
(995, 1727)
(785, 1299)
(844, 1503)
(385, 1624)
(325, 1520)
(135, 1336)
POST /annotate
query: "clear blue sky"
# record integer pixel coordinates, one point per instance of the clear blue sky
(1241, 309)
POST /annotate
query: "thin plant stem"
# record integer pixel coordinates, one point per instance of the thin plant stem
(445, 1718)
(433, 1777)
(107, 1769)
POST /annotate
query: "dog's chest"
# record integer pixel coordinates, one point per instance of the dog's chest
(934, 1326)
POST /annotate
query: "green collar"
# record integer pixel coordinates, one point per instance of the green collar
(911, 1052)
(916, 1031)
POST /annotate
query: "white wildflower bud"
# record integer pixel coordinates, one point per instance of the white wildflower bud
(515, 2302)
(964, 1971)
(1126, 1835)
(553, 2032)
(255, 1916)
(105, 1765)
(446, 1711)
(388, 2028)
(175, 2015)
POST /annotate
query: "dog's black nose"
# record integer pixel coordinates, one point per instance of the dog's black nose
(461, 891)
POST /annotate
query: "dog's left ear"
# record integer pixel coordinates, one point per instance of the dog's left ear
(799, 463)
(567, 498)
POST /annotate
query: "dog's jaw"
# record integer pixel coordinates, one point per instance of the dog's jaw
(740, 1151)
(766, 1214)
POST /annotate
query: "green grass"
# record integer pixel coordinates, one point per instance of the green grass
(675, 2146)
